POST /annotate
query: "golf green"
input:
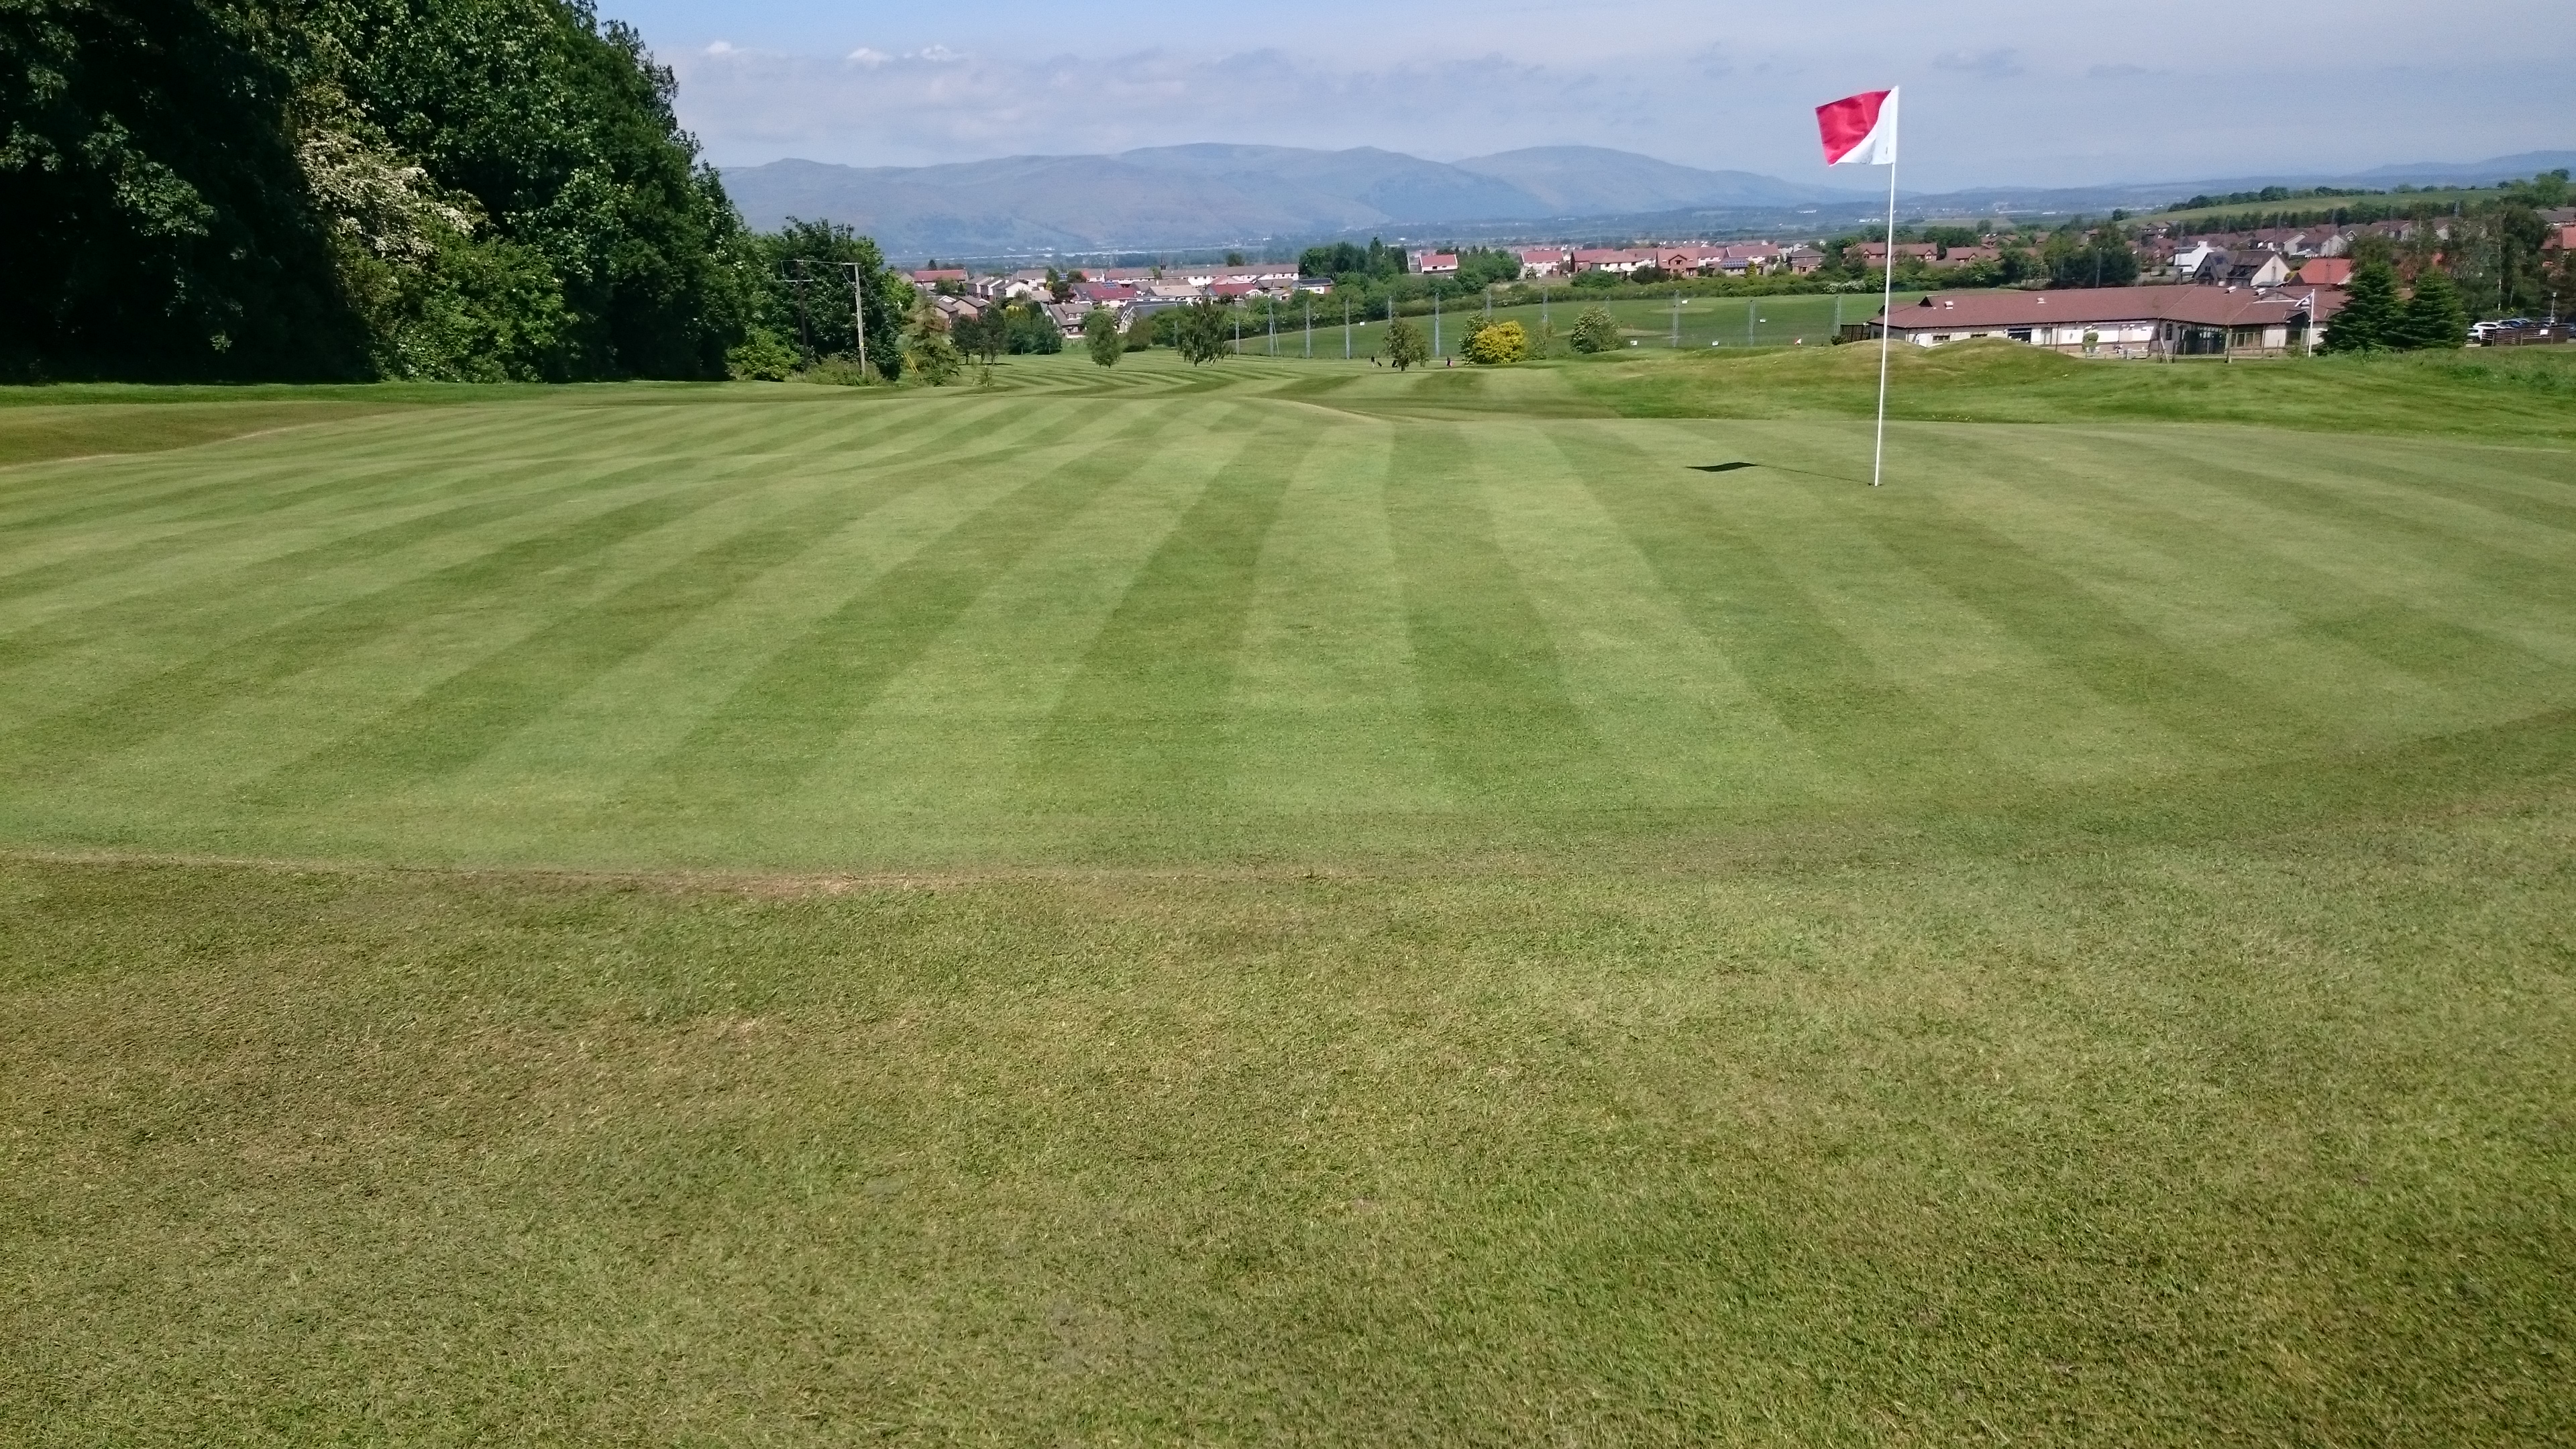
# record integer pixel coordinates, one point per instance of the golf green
(1315, 613)
(1291, 903)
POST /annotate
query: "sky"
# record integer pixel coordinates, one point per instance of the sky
(2005, 93)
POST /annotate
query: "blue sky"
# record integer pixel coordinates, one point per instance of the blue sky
(2002, 93)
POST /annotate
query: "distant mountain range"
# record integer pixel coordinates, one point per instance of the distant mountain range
(1204, 196)
(1213, 195)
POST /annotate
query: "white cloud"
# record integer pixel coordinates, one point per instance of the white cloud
(720, 47)
(1747, 104)
(1993, 64)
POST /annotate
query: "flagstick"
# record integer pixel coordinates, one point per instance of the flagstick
(1886, 324)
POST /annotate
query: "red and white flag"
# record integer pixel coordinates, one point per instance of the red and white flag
(1859, 130)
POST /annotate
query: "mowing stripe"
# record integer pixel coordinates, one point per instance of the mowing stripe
(61, 744)
(2336, 624)
(1494, 694)
(782, 721)
(1327, 715)
(2058, 617)
(465, 715)
(2534, 559)
(1143, 725)
(1664, 702)
(1857, 724)
(68, 621)
(323, 574)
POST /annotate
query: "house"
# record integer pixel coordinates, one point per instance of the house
(2325, 272)
(929, 278)
(2188, 260)
(2135, 322)
(958, 309)
(1434, 264)
(1546, 261)
(2246, 268)
(1620, 260)
(1873, 255)
(1802, 259)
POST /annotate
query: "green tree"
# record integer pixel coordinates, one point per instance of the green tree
(1595, 330)
(2433, 317)
(1199, 333)
(801, 276)
(930, 355)
(2371, 315)
(1498, 342)
(157, 219)
(1234, 259)
(1405, 345)
(761, 357)
(1100, 335)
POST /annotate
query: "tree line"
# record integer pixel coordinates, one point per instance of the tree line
(471, 190)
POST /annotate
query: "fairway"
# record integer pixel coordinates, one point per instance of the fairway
(1326, 614)
(1780, 321)
(1292, 902)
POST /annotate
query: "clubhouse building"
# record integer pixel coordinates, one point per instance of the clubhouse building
(2141, 322)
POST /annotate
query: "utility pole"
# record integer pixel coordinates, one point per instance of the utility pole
(804, 335)
(1677, 321)
(1435, 321)
(1310, 326)
(1749, 305)
(1270, 310)
(1346, 327)
(859, 312)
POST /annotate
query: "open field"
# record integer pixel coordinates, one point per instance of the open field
(1783, 321)
(1288, 902)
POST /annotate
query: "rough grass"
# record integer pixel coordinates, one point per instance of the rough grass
(1292, 903)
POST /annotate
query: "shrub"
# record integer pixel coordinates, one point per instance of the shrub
(760, 357)
(1405, 345)
(1497, 343)
(1595, 331)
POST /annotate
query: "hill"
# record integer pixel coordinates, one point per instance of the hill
(1215, 195)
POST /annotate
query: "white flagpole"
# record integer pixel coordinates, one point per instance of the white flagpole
(1886, 309)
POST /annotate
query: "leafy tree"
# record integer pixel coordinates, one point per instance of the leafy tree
(1481, 267)
(1595, 330)
(761, 357)
(2371, 316)
(2102, 259)
(927, 350)
(1499, 342)
(2432, 317)
(1022, 328)
(1100, 335)
(157, 219)
(441, 188)
(1405, 345)
(808, 264)
(1199, 331)
(1234, 259)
